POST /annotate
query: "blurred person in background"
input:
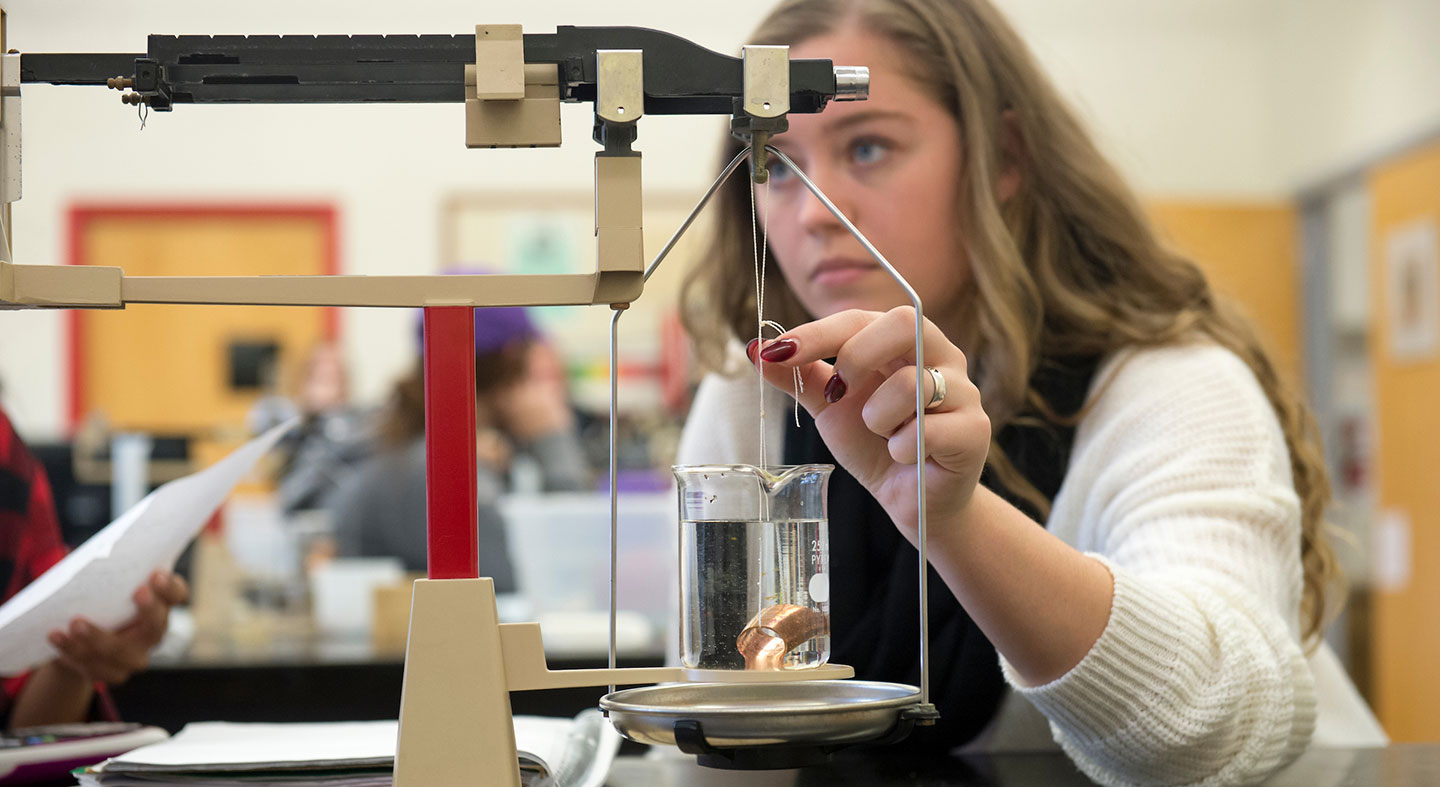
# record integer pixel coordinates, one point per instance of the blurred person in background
(332, 439)
(522, 408)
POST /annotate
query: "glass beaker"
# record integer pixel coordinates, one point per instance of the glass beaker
(754, 566)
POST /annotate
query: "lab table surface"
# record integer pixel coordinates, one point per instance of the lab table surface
(313, 678)
(1398, 765)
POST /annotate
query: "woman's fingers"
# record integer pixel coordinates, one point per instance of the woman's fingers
(887, 344)
(893, 403)
(69, 653)
(170, 588)
(113, 656)
(148, 626)
(813, 376)
(954, 440)
(817, 340)
(861, 342)
(890, 413)
(98, 654)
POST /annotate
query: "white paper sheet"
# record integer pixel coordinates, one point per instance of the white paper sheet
(97, 579)
(575, 752)
(230, 746)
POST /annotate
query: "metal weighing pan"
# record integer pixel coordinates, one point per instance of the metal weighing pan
(740, 715)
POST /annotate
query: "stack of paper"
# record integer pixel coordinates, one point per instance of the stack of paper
(553, 752)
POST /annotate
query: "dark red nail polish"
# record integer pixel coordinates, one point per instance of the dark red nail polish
(835, 389)
(750, 349)
(778, 351)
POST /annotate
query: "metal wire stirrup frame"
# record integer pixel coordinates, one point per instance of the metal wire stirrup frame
(926, 708)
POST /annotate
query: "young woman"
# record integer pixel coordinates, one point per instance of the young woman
(1124, 499)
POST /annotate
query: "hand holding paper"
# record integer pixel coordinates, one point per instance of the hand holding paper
(95, 654)
(94, 581)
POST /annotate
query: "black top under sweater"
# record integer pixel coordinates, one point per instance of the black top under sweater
(874, 598)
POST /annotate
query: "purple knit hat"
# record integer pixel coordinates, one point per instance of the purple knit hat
(496, 327)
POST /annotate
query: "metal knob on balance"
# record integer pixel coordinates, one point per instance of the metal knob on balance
(852, 83)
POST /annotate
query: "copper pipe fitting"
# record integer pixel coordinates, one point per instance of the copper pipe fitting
(776, 631)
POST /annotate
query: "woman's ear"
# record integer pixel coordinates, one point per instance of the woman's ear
(1012, 156)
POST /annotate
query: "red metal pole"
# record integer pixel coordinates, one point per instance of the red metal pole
(451, 527)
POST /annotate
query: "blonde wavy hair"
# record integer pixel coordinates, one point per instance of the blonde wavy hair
(1069, 266)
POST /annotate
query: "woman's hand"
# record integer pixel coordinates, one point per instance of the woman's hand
(94, 654)
(864, 407)
(1043, 629)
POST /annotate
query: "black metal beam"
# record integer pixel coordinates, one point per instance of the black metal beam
(680, 77)
(78, 69)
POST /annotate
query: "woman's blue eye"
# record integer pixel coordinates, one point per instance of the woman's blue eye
(779, 173)
(868, 151)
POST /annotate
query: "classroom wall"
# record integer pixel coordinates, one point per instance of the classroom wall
(1175, 91)
(1405, 192)
(1352, 79)
(1193, 98)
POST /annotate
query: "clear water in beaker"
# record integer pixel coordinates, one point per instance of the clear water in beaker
(754, 567)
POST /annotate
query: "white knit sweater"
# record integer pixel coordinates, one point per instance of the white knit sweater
(1180, 482)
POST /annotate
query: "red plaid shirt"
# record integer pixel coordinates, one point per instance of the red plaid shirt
(29, 531)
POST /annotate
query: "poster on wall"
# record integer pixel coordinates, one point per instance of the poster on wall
(1412, 291)
(554, 233)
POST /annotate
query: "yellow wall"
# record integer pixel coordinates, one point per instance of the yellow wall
(1249, 252)
(1406, 637)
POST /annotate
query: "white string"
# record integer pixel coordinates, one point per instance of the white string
(761, 247)
(794, 372)
(759, 243)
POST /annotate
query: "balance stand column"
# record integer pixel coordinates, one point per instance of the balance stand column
(455, 722)
(450, 507)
